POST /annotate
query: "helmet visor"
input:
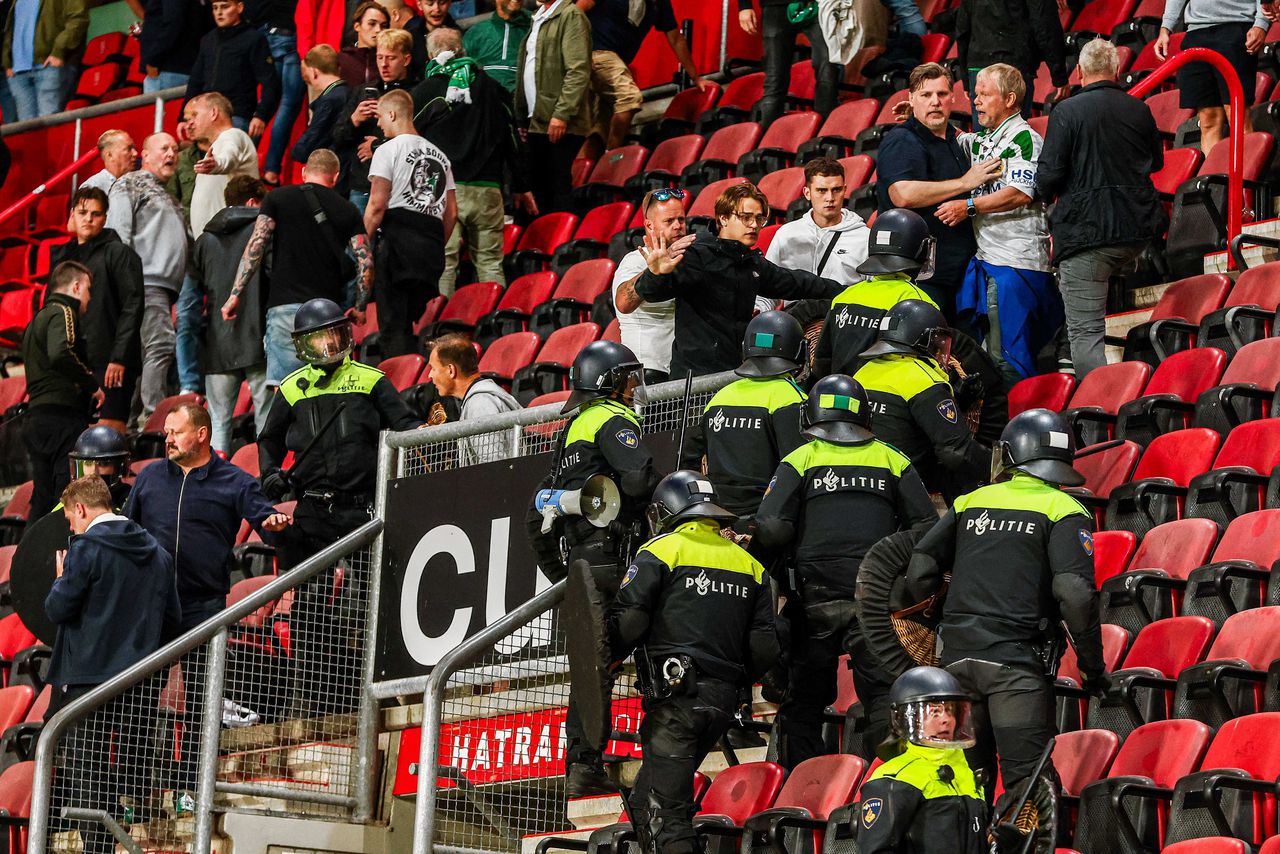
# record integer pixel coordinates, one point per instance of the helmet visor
(930, 254)
(630, 381)
(938, 345)
(325, 345)
(107, 468)
(944, 724)
(1001, 461)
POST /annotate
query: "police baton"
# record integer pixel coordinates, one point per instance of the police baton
(1007, 837)
(684, 415)
(307, 449)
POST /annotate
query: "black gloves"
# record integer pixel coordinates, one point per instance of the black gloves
(1098, 685)
(276, 485)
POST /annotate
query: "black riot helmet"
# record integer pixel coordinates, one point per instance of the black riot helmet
(930, 709)
(681, 496)
(838, 410)
(1040, 443)
(774, 345)
(322, 332)
(915, 328)
(99, 450)
(602, 369)
(900, 242)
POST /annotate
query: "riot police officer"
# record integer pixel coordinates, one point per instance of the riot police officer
(752, 423)
(328, 413)
(924, 797)
(1020, 553)
(912, 401)
(844, 473)
(698, 612)
(101, 450)
(602, 438)
(899, 253)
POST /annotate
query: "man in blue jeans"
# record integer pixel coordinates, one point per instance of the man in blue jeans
(275, 19)
(40, 40)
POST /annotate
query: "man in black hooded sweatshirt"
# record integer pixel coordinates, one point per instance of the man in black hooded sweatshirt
(115, 601)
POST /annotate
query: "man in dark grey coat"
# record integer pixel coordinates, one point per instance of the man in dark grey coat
(233, 350)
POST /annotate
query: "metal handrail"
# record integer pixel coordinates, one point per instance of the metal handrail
(1235, 97)
(210, 629)
(68, 116)
(1236, 247)
(30, 198)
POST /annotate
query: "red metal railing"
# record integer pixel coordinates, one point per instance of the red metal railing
(1235, 94)
(61, 175)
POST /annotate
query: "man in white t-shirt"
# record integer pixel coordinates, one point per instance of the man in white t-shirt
(1010, 280)
(413, 204)
(230, 152)
(649, 328)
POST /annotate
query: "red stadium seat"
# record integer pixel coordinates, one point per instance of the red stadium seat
(1100, 394)
(591, 240)
(1100, 17)
(783, 189)
(1115, 640)
(1167, 555)
(15, 802)
(14, 703)
(1106, 466)
(765, 238)
(1248, 313)
(102, 48)
(1156, 491)
(246, 457)
(1155, 754)
(1271, 846)
(1083, 757)
(511, 234)
(611, 173)
(1247, 389)
(430, 314)
(1176, 318)
(571, 302)
(1208, 845)
(403, 371)
(803, 83)
(612, 332)
(12, 391)
(704, 206)
(735, 104)
(739, 792)
(516, 306)
(1240, 472)
(464, 310)
(539, 241)
(1046, 391)
(720, 158)
(814, 789)
(14, 637)
(1169, 398)
(550, 372)
(777, 148)
(839, 132)
(682, 112)
(1169, 115)
(14, 518)
(509, 354)
(579, 171)
(669, 159)
(1236, 580)
(95, 81)
(1112, 551)
(1180, 165)
(18, 306)
(858, 170)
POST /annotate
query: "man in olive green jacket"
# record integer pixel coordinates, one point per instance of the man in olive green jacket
(41, 63)
(551, 97)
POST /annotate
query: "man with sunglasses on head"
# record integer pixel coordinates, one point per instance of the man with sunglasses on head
(648, 329)
(714, 282)
(913, 402)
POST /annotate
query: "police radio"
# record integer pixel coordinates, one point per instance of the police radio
(598, 501)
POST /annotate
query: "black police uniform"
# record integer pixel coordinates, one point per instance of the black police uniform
(603, 438)
(746, 429)
(854, 320)
(1021, 558)
(922, 800)
(840, 499)
(334, 482)
(915, 411)
(699, 598)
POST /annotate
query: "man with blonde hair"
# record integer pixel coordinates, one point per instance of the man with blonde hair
(1010, 279)
(356, 133)
(119, 155)
(323, 77)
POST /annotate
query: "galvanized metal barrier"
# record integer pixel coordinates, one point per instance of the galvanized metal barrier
(240, 714)
(493, 739)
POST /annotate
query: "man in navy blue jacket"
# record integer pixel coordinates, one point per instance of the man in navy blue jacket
(114, 602)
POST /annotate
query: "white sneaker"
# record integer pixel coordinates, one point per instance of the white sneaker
(235, 715)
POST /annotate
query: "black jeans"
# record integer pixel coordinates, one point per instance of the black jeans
(676, 735)
(779, 46)
(820, 634)
(50, 432)
(551, 172)
(1012, 716)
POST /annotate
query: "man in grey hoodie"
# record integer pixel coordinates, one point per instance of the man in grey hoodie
(455, 372)
(151, 222)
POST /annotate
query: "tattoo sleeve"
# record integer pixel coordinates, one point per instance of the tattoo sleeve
(263, 227)
(364, 269)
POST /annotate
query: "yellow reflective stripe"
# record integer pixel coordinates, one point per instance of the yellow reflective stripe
(592, 417)
(698, 543)
(351, 378)
(903, 376)
(771, 393)
(873, 454)
(1023, 492)
(883, 292)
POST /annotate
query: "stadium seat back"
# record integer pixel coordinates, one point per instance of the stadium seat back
(765, 238)
(1147, 59)
(544, 234)
(1163, 751)
(12, 391)
(783, 187)
(471, 302)
(38, 709)
(858, 169)
(676, 154)
(612, 332)
(1252, 636)
(1112, 551)
(1188, 373)
(511, 234)
(244, 401)
(15, 789)
(705, 204)
(586, 280)
(730, 143)
(15, 701)
(1109, 386)
(1083, 756)
(1257, 362)
(1046, 391)
(690, 103)
(95, 81)
(743, 92)
(1190, 299)
(563, 345)
(155, 421)
(1114, 642)
(1179, 456)
(822, 783)
(1208, 845)
(1107, 467)
(743, 790)
(603, 222)
(403, 371)
(102, 48)
(1180, 164)
(616, 165)
(803, 81)
(580, 170)
(14, 637)
(888, 111)
(1258, 147)
(1170, 115)
(19, 504)
(1176, 547)
(246, 458)
(1171, 645)
(527, 291)
(1252, 536)
(1102, 16)
(509, 354)
(850, 118)
(789, 131)
(1258, 286)
(1255, 444)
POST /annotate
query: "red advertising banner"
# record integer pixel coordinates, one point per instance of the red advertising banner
(524, 746)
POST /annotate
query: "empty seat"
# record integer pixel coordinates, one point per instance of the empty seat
(550, 372)
(1246, 391)
(1142, 686)
(838, 134)
(1105, 466)
(784, 189)
(571, 302)
(777, 148)
(858, 170)
(720, 158)
(1093, 405)
(1208, 845)
(1175, 320)
(15, 803)
(669, 159)
(1082, 757)
(468, 304)
(1240, 473)
(1157, 489)
(703, 210)
(1248, 312)
(591, 240)
(1241, 568)
(515, 308)
(1164, 559)
(1154, 755)
(1229, 682)
(509, 354)
(246, 458)
(538, 243)
(611, 172)
(736, 102)
(1112, 551)
(1169, 398)
(1169, 114)
(1046, 391)
(1180, 165)
(751, 787)
(681, 114)
(403, 371)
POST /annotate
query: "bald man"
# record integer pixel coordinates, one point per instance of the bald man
(412, 202)
(151, 222)
(119, 155)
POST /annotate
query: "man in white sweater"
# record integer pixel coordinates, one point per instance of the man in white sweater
(828, 241)
(230, 152)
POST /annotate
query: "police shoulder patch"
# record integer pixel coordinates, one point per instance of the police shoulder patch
(631, 573)
(871, 809)
(1086, 542)
(773, 481)
(947, 409)
(628, 437)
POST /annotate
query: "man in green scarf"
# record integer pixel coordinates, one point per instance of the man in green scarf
(467, 114)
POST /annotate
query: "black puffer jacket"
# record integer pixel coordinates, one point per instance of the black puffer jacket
(348, 137)
(1022, 33)
(236, 61)
(229, 345)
